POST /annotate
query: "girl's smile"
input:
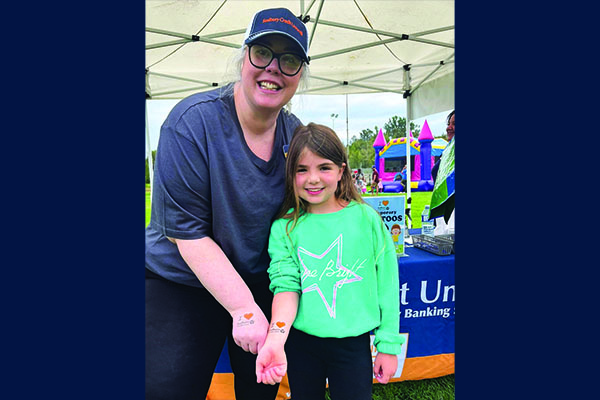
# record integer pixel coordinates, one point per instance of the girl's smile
(314, 192)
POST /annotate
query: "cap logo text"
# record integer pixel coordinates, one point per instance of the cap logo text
(285, 21)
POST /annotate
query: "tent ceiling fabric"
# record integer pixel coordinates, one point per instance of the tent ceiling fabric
(177, 66)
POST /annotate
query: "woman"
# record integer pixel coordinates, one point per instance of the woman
(450, 136)
(218, 185)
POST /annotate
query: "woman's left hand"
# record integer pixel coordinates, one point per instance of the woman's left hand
(250, 328)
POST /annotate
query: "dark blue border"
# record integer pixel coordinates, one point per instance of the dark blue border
(73, 203)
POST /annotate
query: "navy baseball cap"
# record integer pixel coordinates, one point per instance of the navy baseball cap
(278, 21)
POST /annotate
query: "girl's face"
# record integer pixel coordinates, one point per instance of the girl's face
(268, 88)
(316, 181)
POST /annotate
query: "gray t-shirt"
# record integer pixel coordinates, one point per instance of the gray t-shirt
(207, 182)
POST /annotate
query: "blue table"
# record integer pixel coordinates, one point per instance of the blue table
(427, 307)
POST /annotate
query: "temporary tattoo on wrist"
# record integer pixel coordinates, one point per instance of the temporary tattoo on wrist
(277, 327)
(245, 319)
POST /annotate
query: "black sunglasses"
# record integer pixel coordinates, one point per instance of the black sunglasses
(261, 56)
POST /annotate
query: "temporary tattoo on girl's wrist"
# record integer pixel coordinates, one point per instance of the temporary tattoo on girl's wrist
(277, 327)
(245, 319)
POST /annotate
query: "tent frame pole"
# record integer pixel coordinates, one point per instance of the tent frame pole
(353, 48)
(192, 88)
(188, 38)
(374, 88)
(316, 22)
(345, 83)
(401, 36)
(149, 149)
(431, 73)
(179, 78)
(394, 36)
(347, 131)
(407, 128)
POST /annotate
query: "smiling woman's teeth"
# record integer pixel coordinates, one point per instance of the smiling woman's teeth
(269, 86)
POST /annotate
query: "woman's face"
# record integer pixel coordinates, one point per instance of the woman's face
(269, 88)
(450, 128)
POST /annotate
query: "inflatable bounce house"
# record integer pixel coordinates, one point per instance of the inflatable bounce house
(390, 159)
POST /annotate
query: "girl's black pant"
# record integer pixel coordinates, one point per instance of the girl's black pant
(346, 363)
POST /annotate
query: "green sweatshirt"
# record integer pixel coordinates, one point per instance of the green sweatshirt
(344, 267)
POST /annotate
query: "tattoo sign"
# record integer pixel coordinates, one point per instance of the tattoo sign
(245, 320)
(277, 327)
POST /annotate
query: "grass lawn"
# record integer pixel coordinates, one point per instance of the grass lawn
(148, 206)
(441, 388)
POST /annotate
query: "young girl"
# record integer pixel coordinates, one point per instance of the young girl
(334, 274)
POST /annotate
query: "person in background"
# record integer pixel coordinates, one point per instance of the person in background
(360, 181)
(436, 167)
(450, 136)
(360, 175)
(401, 176)
(206, 244)
(375, 181)
(334, 274)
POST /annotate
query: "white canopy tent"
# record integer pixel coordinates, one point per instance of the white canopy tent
(356, 46)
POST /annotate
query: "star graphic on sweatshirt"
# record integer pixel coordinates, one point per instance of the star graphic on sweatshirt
(322, 268)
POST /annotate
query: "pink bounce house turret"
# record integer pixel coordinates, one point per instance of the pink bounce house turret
(425, 138)
(391, 157)
(379, 144)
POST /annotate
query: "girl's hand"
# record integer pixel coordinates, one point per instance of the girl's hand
(250, 328)
(271, 364)
(385, 367)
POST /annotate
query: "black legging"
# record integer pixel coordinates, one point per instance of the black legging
(185, 332)
(345, 362)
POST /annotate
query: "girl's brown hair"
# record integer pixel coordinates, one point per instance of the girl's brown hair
(325, 143)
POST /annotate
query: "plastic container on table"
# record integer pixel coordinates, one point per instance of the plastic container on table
(436, 245)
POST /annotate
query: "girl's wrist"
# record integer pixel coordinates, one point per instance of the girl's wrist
(276, 341)
(278, 332)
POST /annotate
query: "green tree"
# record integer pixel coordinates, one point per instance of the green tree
(368, 135)
(360, 151)
(396, 127)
